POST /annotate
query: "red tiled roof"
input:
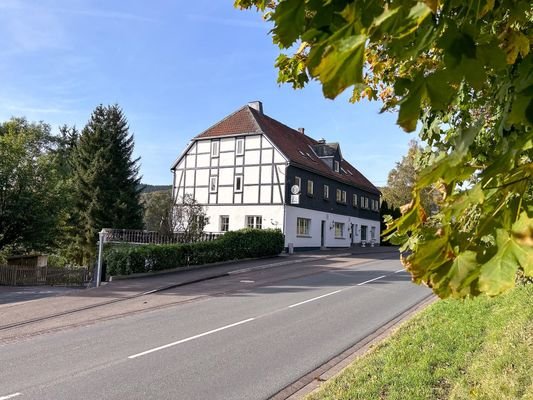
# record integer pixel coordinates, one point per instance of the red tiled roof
(239, 122)
(290, 142)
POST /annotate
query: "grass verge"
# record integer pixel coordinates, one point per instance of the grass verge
(479, 348)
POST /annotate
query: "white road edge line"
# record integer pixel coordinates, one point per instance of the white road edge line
(314, 298)
(371, 280)
(400, 270)
(10, 396)
(166, 346)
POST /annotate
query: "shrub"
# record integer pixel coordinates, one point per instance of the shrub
(234, 245)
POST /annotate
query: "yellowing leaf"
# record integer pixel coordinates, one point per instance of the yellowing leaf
(522, 230)
(515, 43)
(341, 65)
(433, 5)
(289, 18)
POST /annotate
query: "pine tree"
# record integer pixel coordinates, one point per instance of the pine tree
(106, 177)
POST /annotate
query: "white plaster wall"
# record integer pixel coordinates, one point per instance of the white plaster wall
(313, 240)
(225, 176)
(202, 177)
(265, 194)
(204, 146)
(202, 160)
(227, 144)
(272, 216)
(252, 157)
(251, 194)
(251, 175)
(226, 159)
(252, 142)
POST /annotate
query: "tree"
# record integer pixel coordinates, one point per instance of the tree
(462, 70)
(402, 179)
(189, 218)
(106, 177)
(158, 211)
(386, 212)
(31, 195)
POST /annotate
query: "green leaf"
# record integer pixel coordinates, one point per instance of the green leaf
(289, 18)
(498, 274)
(410, 107)
(440, 89)
(464, 270)
(341, 65)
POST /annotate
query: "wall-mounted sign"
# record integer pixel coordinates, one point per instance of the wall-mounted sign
(295, 189)
(295, 199)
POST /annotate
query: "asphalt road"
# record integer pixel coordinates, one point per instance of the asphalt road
(247, 343)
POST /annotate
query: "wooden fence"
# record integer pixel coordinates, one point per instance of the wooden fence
(31, 275)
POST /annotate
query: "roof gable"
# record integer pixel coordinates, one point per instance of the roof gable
(298, 148)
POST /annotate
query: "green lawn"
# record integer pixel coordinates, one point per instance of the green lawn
(473, 349)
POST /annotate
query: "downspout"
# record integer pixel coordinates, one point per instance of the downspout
(285, 206)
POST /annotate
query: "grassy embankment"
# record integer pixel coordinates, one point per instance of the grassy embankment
(473, 349)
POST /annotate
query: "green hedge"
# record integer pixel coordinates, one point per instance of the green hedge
(234, 245)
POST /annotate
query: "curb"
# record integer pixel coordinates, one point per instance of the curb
(313, 380)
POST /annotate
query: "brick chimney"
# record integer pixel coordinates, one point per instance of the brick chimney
(301, 130)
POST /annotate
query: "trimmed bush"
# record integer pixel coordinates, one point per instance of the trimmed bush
(234, 245)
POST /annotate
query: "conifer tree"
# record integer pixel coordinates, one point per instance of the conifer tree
(106, 177)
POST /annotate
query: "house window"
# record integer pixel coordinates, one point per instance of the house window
(309, 187)
(338, 196)
(224, 223)
(336, 163)
(253, 221)
(354, 200)
(238, 183)
(339, 230)
(366, 202)
(303, 226)
(372, 233)
(298, 182)
(326, 192)
(214, 148)
(239, 147)
(213, 184)
(343, 197)
(362, 202)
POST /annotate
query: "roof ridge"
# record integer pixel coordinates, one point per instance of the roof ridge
(246, 106)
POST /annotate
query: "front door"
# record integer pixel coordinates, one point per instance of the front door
(363, 232)
(322, 233)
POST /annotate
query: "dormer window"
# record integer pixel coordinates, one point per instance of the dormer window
(336, 166)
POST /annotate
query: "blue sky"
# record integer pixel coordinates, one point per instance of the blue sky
(175, 67)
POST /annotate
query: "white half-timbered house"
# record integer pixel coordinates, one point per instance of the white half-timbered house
(250, 170)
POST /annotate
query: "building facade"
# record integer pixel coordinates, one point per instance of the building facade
(250, 170)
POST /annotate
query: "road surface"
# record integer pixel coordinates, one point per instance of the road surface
(265, 331)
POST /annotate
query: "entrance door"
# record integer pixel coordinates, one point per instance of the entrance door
(352, 233)
(363, 232)
(322, 233)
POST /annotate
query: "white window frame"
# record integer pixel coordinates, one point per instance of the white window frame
(339, 230)
(372, 233)
(338, 195)
(254, 221)
(213, 188)
(326, 192)
(236, 187)
(239, 151)
(362, 201)
(298, 182)
(336, 165)
(310, 187)
(343, 197)
(366, 202)
(303, 227)
(224, 223)
(215, 148)
(354, 200)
